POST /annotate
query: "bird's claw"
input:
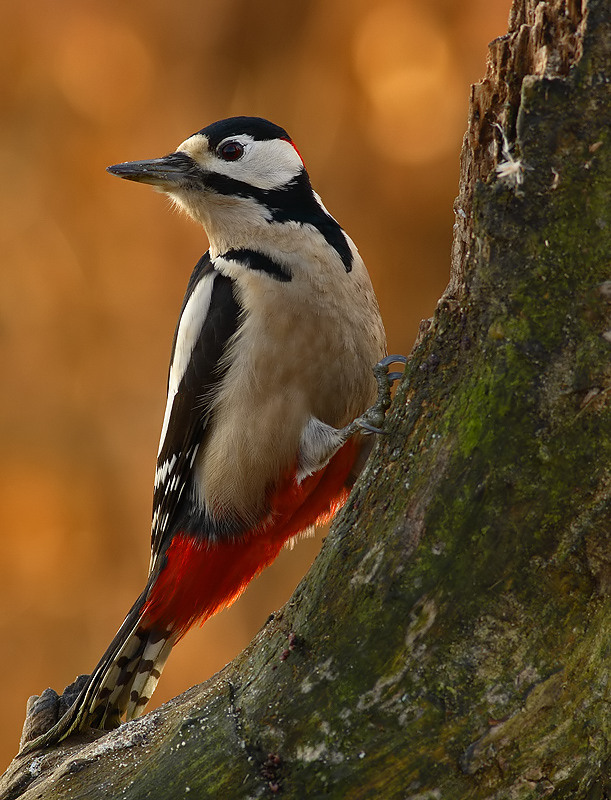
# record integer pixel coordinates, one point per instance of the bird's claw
(372, 420)
(385, 362)
(367, 428)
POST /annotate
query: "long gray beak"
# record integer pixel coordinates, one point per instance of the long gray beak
(168, 172)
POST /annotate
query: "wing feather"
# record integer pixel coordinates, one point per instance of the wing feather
(210, 316)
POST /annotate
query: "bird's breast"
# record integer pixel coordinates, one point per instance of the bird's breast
(303, 349)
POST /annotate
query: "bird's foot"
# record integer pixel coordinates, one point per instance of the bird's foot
(373, 419)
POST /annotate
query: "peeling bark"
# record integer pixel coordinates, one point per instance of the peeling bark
(452, 640)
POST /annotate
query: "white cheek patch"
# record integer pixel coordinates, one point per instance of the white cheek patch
(268, 164)
(189, 328)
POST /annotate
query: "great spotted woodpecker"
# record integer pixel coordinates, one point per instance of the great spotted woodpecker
(270, 395)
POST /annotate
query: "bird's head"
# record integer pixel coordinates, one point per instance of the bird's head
(242, 165)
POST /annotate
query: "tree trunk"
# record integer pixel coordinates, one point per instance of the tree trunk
(452, 639)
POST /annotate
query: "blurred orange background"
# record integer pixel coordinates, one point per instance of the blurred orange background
(94, 269)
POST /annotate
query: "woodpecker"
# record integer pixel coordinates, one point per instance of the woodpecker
(270, 395)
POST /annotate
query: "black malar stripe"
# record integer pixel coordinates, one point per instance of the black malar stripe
(260, 262)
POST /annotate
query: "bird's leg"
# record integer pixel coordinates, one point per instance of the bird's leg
(372, 420)
(320, 442)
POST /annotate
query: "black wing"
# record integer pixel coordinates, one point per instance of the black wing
(209, 317)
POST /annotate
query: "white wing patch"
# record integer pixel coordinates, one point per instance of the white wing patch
(189, 328)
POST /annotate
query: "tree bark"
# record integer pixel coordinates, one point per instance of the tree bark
(452, 639)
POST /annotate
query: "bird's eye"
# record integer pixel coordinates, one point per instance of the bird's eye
(231, 151)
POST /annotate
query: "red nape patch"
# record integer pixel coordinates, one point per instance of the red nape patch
(201, 577)
(294, 146)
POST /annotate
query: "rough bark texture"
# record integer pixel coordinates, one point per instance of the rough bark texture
(452, 640)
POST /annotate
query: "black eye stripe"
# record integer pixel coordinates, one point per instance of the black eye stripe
(230, 151)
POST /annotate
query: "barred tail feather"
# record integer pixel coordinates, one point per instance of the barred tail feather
(121, 683)
(194, 579)
(130, 679)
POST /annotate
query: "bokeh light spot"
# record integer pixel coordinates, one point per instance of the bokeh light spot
(404, 65)
(102, 67)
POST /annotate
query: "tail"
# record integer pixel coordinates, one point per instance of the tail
(122, 682)
(194, 579)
